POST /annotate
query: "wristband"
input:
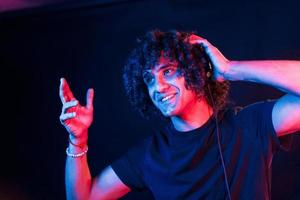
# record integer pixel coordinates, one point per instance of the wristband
(76, 155)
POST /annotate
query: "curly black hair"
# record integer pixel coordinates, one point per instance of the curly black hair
(192, 63)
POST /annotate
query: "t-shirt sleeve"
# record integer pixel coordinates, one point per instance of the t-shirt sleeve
(260, 118)
(129, 167)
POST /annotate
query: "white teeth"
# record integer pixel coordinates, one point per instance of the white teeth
(167, 97)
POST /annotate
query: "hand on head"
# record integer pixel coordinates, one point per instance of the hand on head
(75, 118)
(219, 62)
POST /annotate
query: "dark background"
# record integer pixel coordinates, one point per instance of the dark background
(87, 42)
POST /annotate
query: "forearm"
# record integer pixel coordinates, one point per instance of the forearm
(281, 74)
(77, 175)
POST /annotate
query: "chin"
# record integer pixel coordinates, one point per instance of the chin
(167, 114)
(171, 113)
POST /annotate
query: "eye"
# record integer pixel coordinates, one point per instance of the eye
(148, 78)
(168, 71)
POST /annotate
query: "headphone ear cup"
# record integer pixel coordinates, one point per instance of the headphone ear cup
(208, 74)
(206, 60)
(209, 69)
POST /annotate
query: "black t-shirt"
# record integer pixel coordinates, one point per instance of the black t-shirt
(186, 165)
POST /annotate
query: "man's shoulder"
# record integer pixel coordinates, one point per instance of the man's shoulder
(236, 109)
(252, 110)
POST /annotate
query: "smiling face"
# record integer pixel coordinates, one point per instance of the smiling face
(166, 87)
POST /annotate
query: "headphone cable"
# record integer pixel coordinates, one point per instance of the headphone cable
(219, 143)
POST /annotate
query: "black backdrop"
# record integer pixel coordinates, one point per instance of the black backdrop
(88, 43)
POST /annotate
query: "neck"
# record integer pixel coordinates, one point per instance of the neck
(194, 117)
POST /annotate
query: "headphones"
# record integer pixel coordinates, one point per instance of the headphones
(207, 63)
(209, 71)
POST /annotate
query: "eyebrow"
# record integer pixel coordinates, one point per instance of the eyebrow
(162, 67)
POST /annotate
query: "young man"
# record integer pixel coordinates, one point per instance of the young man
(207, 151)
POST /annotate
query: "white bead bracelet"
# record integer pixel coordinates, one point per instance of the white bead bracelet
(76, 155)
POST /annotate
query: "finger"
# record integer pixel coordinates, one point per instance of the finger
(203, 42)
(195, 39)
(68, 105)
(90, 98)
(65, 92)
(60, 91)
(209, 49)
(65, 116)
(206, 46)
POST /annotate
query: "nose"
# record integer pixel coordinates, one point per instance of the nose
(161, 85)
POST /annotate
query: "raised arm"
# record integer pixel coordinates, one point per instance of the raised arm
(79, 183)
(281, 74)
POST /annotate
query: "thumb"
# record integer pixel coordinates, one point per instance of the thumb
(90, 98)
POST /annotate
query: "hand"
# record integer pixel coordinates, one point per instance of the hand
(220, 64)
(75, 118)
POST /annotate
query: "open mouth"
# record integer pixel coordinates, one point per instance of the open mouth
(168, 97)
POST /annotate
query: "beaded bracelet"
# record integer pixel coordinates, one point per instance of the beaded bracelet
(76, 155)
